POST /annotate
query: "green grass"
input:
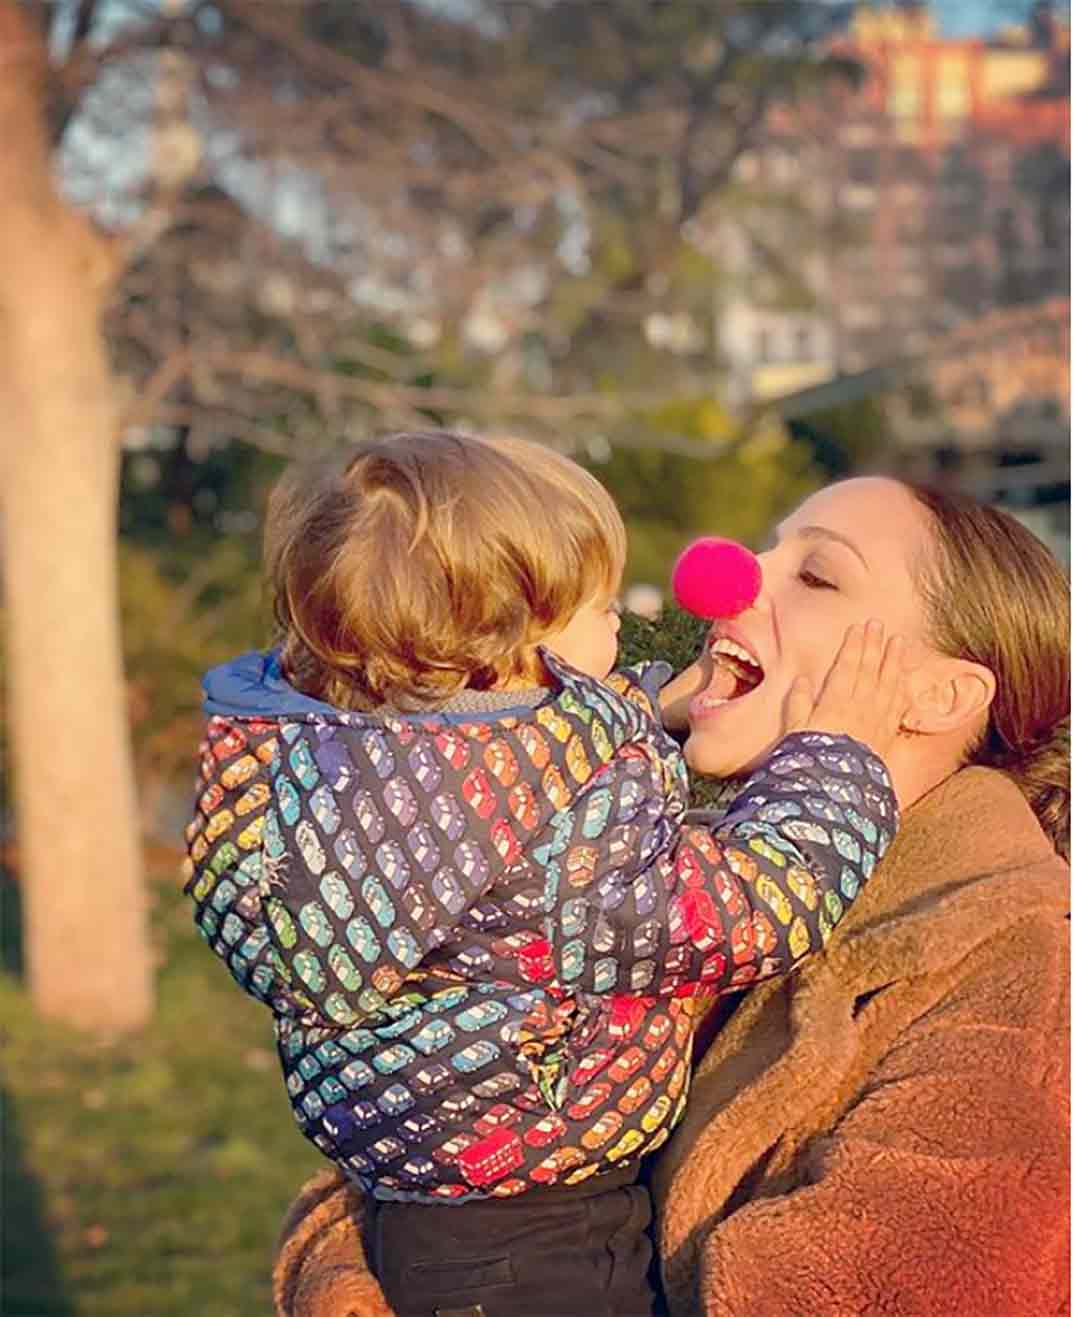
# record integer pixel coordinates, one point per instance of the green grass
(147, 1179)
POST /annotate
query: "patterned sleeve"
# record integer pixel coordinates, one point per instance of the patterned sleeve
(647, 905)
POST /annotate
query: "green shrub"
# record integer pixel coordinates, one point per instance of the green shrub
(676, 637)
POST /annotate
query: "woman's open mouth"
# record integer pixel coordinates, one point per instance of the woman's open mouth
(735, 672)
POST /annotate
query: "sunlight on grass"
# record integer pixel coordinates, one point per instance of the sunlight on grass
(147, 1179)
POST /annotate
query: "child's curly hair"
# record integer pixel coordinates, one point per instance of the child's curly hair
(427, 562)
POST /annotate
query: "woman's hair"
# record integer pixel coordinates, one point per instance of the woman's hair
(996, 596)
(424, 563)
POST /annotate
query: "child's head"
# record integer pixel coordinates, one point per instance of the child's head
(425, 563)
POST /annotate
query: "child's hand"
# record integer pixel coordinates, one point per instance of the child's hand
(864, 694)
(675, 697)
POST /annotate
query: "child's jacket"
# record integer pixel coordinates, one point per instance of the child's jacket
(475, 931)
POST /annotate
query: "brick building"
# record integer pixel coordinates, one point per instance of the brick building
(934, 190)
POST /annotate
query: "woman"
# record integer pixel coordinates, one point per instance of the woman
(887, 1130)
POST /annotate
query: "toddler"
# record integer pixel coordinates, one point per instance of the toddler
(446, 846)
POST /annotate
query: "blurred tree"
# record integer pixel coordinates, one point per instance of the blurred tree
(724, 476)
(850, 436)
(85, 940)
(522, 195)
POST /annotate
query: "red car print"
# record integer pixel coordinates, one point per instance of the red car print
(229, 744)
(491, 1158)
(211, 798)
(535, 962)
(497, 1117)
(658, 1032)
(547, 1130)
(595, 1096)
(690, 867)
(507, 845)
(449, 1190)
(626, 1015)
(454, 748)
(477, 732)
(478, 794)
(713, 967)
(700, 915)
(626, 1065)
(523, 805)
(590, 1065)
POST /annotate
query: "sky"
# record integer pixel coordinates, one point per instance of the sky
(960, 18)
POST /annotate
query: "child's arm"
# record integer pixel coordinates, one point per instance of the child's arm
(648, 906)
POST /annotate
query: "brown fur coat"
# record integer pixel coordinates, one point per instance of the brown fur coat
(886, 1131)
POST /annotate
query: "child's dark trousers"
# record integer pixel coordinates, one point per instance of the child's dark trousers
(554, 1251)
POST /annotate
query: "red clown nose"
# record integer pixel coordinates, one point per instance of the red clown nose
(716, 578)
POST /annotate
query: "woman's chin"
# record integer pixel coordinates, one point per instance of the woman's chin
(723, 743)
(711, 754)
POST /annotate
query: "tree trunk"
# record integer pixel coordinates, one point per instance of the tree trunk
(85, 937)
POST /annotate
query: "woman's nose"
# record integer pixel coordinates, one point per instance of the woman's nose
(767, 568)
(716, 578)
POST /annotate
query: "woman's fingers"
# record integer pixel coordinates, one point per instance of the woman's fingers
(864, 694)
(798, 706)
(842, 679)
(872, 657)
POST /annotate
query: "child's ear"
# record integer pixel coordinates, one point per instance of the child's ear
(947, 694)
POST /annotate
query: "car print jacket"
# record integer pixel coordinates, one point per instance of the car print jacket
(477, 933)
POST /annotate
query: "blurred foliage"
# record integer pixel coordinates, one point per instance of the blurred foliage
(740, 490)
(179, 620)
(847, 437)
(676, 637)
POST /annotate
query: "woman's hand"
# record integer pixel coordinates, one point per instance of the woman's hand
(864, 694)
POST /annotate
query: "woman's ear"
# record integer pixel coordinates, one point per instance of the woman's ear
(948, 694)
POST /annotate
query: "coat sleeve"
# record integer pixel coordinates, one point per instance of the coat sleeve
(945, 1189)
(640, 903)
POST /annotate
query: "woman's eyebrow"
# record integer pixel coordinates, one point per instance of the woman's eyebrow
(823, 533)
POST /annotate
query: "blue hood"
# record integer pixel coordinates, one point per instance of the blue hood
(253, 686)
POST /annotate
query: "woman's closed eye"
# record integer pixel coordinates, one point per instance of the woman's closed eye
(812, 581)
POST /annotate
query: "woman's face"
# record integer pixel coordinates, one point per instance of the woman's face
(844, 556)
